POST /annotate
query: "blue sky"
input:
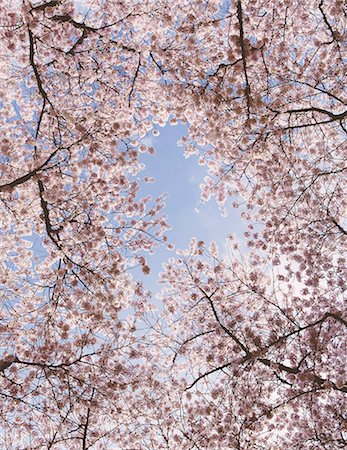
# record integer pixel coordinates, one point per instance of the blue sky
(180, 178)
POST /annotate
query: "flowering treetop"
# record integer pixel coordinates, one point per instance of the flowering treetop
(248, 348)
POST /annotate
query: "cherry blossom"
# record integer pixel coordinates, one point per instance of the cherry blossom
(246, 350)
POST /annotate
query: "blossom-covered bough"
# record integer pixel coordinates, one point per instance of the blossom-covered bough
(248, 351)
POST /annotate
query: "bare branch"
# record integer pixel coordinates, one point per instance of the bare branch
(243, 53)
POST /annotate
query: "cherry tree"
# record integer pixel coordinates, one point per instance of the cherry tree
(257, 358)
(73, 223)
(249, 350)
(258, 341)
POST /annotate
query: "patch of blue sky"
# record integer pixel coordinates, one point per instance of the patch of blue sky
(16, 109)
(180, 178)
(82, 8)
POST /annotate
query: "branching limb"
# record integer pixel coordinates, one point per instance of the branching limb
(243, 54)
(86, 424)
(229, 333)
(52, 232)
(206, 374)
(134, 80)
(50, 4)
(35, 70)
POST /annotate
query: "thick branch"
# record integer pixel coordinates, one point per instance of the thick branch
(79, 41)
(326, 21)
(343, 231)
(313, 109)
(86, 424)
(243, 53)
(46, 5)
(66, 18)
(267, 362)
(28, 176)
(295, 370)
(50, 230)
(32, 173)
(34, 67)
(7, 363)
(81, 25)
(327, 315)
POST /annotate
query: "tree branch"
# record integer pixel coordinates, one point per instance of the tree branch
(243, 54)
(134, 80)
(50, 230)
(85, 428)
(34, 67)
(313, 109)
(229, 333)
(206, 374)
(28, 176)
(46, 5)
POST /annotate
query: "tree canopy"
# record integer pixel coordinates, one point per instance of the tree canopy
(246, 351)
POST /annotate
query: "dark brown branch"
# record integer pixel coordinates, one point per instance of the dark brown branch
(306, 125)
(190, 440)
(343, 231)
(243, 53)
(79, 41)
(157, 64)
(227, 331)
(29, 175)
(134, 80)
(40, 119)
(5, 364)
(66, 18)
(295, 371)
(337, 225)
(327, 315)
(34, 67)
(44, 206)
(269, 363)
(279, 405)
(326, 21)
(42, 167)
(46, 5)
(53, 366)
(313, 109)
(206, 374)
(85, 427)
(190, 340)
(319, 89)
